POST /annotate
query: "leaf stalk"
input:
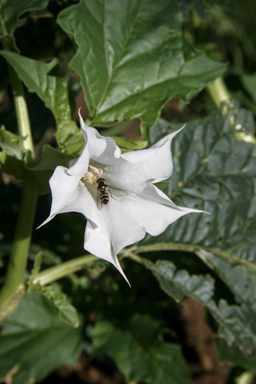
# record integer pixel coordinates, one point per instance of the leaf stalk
(57, 272)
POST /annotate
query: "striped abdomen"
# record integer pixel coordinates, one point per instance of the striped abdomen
(102, 191)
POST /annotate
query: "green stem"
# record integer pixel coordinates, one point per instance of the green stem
(21, 108)
(62, 270)
(22, 112)
(196, 249)
(13, 289)
(218, 91)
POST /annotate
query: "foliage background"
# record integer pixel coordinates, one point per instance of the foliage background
(206, 263)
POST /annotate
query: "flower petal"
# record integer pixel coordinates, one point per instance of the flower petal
(147, 165)
(80, 166)
(101, 149)
(115, 231)
(154, 217)
(69, 195)
(152, 193)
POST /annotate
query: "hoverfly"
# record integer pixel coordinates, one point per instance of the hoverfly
(103, 191)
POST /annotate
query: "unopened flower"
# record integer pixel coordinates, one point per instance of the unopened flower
(116, 193)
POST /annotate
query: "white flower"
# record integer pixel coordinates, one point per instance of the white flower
(135, 206)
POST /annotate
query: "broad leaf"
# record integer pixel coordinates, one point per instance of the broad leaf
(216, 172)
(10, 10)
(238, 276)
(67, 313)
(34, 341)
(51, 89)
(236, 323)
(139, 354)
(130, 68)
(41, 172)
(50, 158)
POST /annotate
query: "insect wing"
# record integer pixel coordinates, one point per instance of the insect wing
(116, 193)
(99, 202)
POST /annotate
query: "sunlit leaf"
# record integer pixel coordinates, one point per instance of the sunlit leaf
(130, 68)
(216, 172)
(11, 144)
(52, 90)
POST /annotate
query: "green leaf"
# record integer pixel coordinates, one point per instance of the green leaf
(12, 166)
(127, 145)
(51, 89)
(132, 58)
(216, 172)
(36, 323)
(41, 172)
(235, 356)
(239, 277)
(138, 352)
(67, 313)
(237, 324)
(10, 10)
(51, 158)
(11, 144)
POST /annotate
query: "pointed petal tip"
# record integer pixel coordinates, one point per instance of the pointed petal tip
(192, 210)
(46, 221)
(82, 123)
(123, 274)
(180, 129)
(41, 224)
(120, 270)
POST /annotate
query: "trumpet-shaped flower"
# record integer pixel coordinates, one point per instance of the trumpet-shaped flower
(124, 204)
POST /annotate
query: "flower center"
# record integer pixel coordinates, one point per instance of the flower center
(93, 175)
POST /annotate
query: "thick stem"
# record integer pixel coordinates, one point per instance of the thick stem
(13, 288)
(20, 107)
(218, 91)
(57, 272)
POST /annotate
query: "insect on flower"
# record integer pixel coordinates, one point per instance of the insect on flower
(103, 191)
(116, 193)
